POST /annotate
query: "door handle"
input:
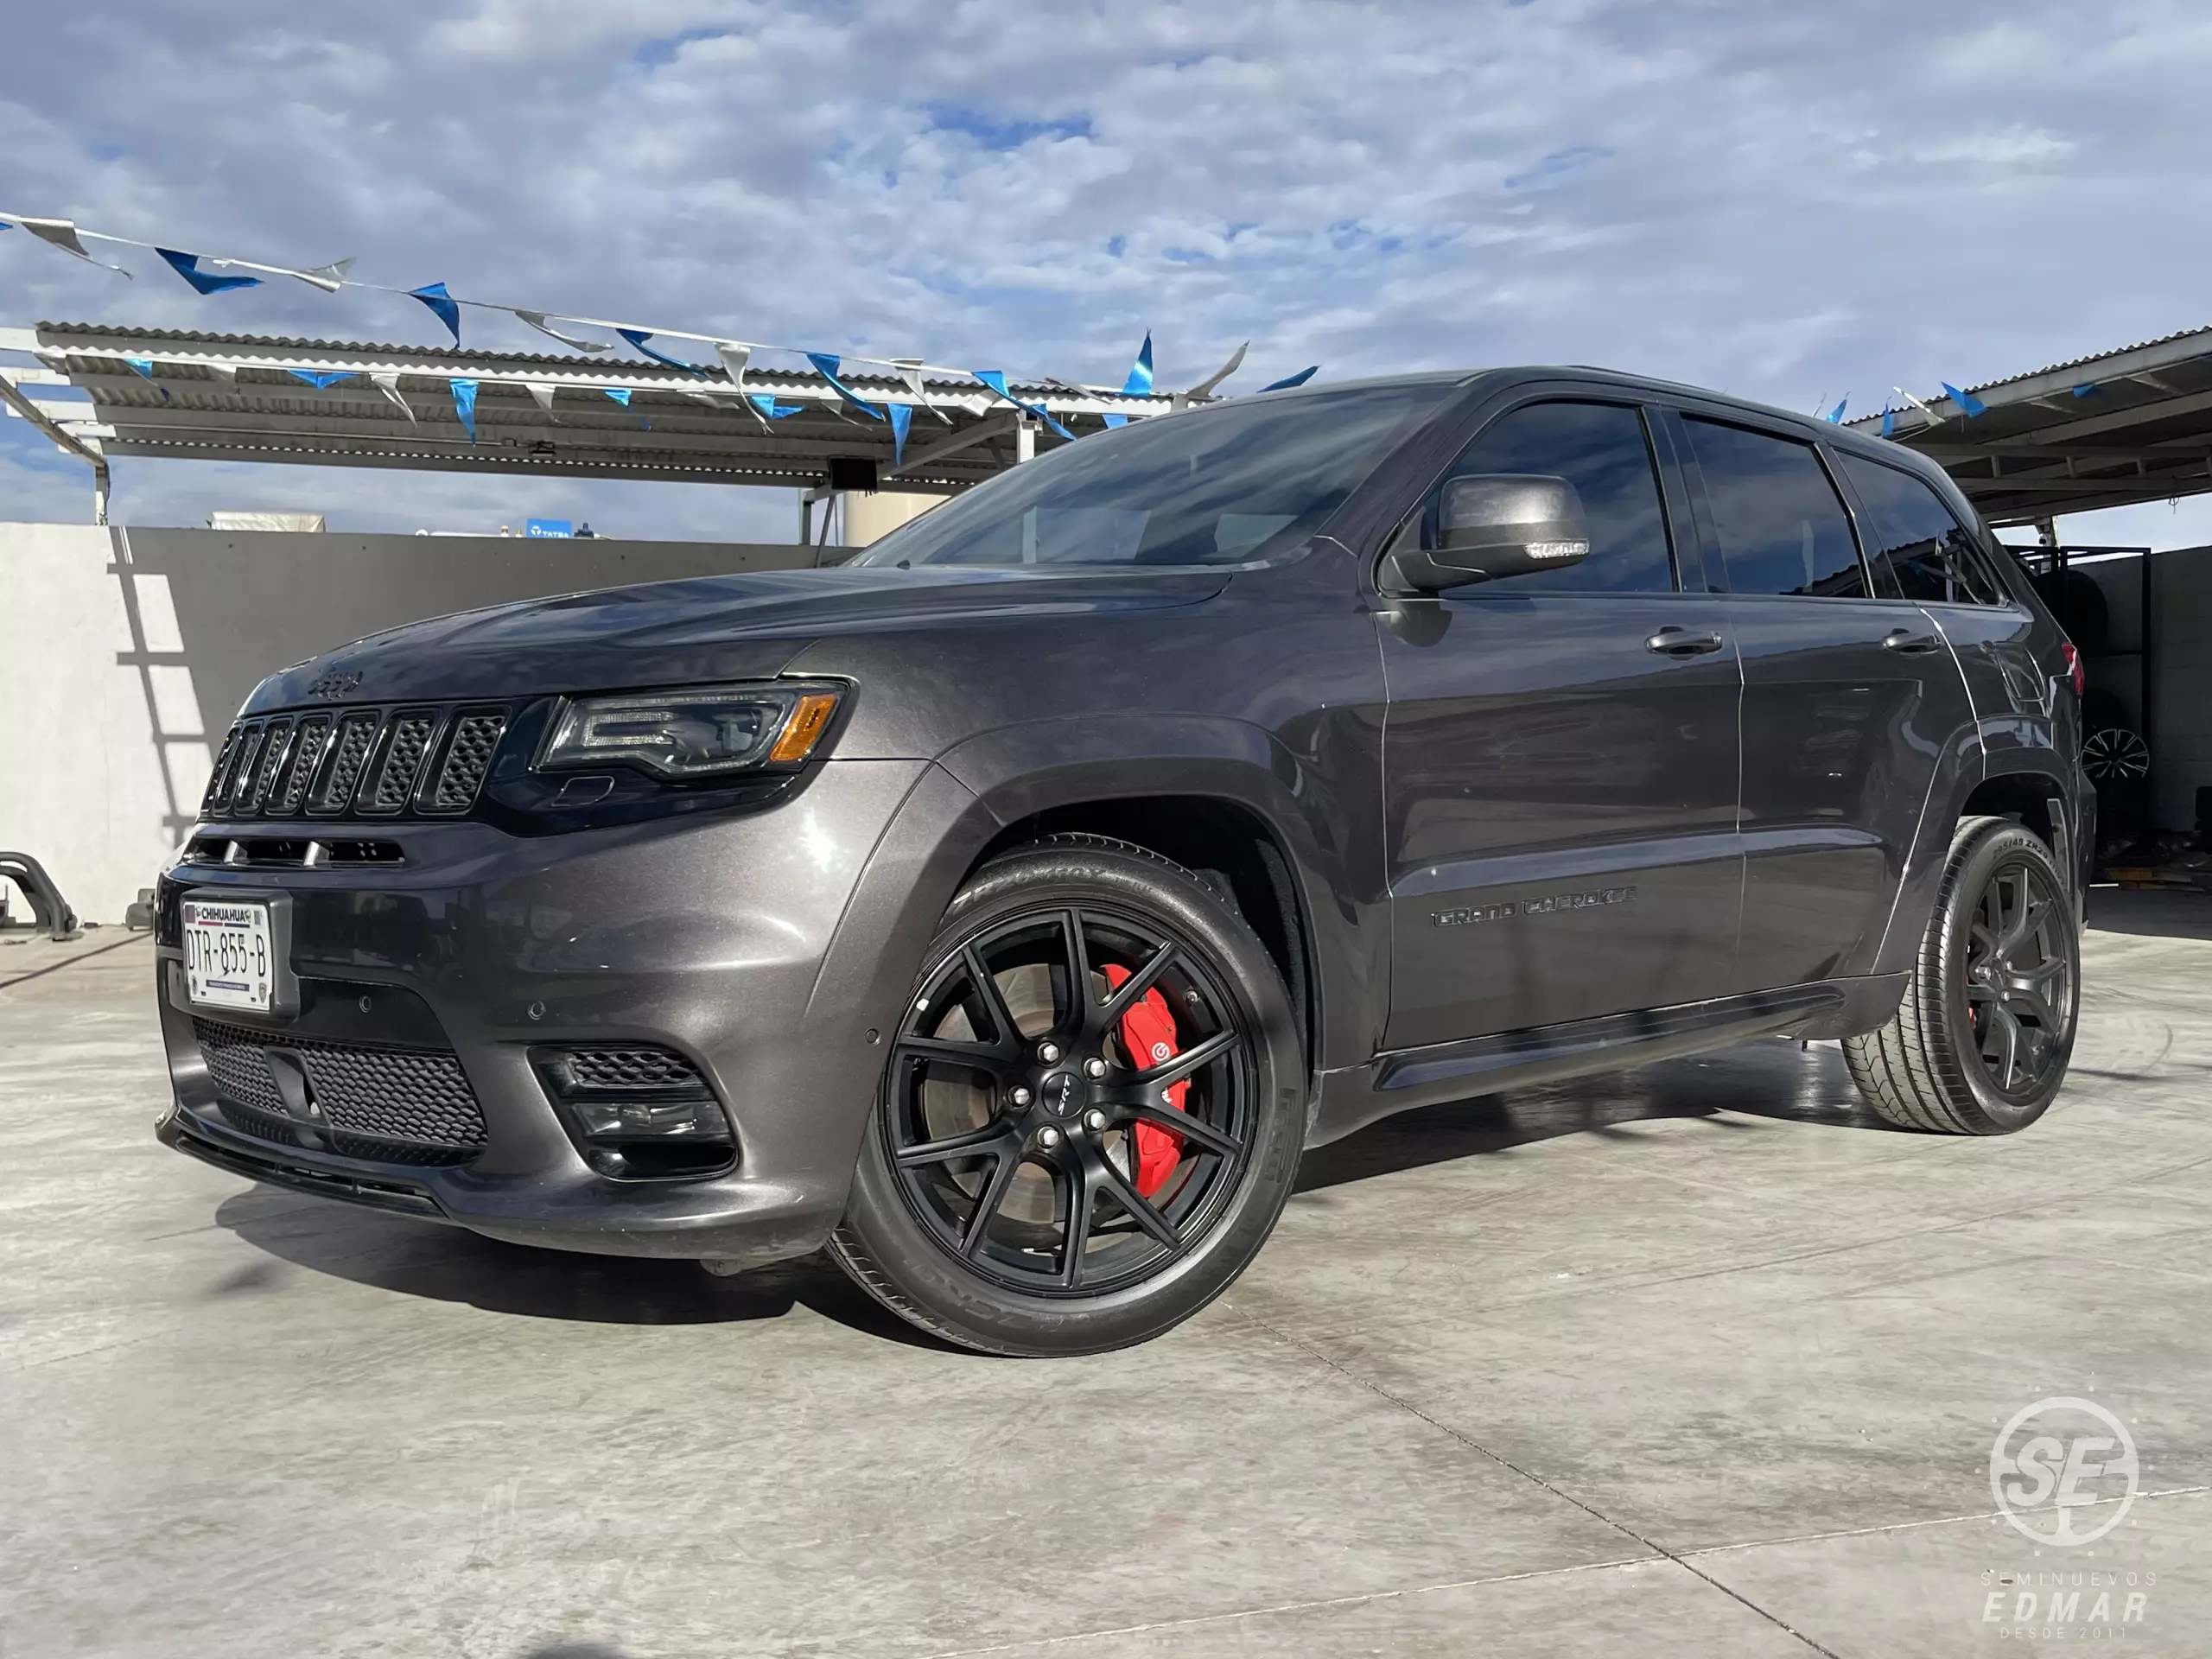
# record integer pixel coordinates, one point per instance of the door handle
(1671, 641)
(1906, 643)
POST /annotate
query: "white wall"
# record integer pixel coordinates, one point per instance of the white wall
(124, 654)
(84, 786)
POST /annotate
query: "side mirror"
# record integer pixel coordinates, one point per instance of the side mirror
(1497, 525)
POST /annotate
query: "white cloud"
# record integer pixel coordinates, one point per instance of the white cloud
(1793, 203)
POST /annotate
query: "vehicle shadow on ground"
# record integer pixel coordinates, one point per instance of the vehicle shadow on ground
(1783, 1080)
(2154, 914)
(442, 1263)
(1780, 1080)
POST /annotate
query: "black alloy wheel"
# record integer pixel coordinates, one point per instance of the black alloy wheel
(1089, 1113)
(1981, 1040)
(2019, 978)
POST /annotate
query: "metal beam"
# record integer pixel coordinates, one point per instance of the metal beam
(981, 432)
(66, 441)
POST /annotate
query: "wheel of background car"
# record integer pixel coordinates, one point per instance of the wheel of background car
(2115, 752)
(1092, 1112)
(1981, 1041)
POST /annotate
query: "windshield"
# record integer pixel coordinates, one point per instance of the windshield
(1206, 487)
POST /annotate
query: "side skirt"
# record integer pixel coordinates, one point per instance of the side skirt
(1402, 1080)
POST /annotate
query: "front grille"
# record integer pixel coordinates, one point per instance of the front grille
(409, 1106)
(413, 761)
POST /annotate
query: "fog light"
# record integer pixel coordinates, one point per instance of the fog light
(614, 1120)
(638, 1113)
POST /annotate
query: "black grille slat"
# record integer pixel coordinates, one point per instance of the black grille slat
(404, 748)
(307, 745)
(218, 779)
(275, 745)
(242, 766)
(357, 735)
(393, 1104)
(468, 757)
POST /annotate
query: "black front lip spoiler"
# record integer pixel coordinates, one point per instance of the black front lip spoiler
(400, 1198)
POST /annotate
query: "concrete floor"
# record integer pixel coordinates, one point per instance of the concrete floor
(1693, 1361)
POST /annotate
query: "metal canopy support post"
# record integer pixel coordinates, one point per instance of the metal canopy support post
(63, 439)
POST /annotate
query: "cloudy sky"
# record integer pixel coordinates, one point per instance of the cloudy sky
(1795, 202)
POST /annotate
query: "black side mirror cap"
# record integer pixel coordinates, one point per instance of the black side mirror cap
(1492, 526)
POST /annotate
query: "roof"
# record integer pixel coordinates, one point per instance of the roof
(242, 397)
(2107, 430)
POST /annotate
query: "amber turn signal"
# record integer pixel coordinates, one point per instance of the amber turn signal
(809, 718)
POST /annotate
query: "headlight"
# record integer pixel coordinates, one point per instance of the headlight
(700, 732)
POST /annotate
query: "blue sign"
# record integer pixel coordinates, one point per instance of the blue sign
(547, 527)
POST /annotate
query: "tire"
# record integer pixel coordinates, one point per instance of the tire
(1945, 1062)
(1076, 1108)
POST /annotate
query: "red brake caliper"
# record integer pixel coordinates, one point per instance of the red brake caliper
(1148, 1035)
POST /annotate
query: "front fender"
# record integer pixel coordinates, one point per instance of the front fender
(1303, 801)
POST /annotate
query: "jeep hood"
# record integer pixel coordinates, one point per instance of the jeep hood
(703, 629)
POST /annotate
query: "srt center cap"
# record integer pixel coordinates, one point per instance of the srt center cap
(1060, 1093)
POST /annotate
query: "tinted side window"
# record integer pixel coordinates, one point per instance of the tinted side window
(1601, 450)
(1933, 555)
(1781, 525)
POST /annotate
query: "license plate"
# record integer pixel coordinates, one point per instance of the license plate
(230, 960)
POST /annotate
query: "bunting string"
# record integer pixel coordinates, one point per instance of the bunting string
(210, 274)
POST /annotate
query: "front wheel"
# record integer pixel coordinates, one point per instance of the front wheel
(1980, 1044)
(1091, 1113)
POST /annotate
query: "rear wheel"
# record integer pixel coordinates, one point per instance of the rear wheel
(1981, 1042)
(1091, 1113)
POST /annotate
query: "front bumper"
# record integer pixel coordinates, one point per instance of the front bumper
(770, 949)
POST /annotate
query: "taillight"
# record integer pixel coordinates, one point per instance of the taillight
(2072, 666)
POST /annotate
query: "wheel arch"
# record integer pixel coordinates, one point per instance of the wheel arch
(1224, 800)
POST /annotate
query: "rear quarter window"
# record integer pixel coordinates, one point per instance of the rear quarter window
(1932, 558)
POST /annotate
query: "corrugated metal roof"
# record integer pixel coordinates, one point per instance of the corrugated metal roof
(2098, 357)
(618, 365)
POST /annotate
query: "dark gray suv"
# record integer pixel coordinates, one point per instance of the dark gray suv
(1008, 909)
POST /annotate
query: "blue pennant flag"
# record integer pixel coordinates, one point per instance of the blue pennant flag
(2084, 392)
(319, 381)
(1297, 379)
(995, 379)
(464, 405)
(1964, 400)
(1889, 420)
(620, 394)
(1835, 415)
(187, 265)
(902, 416)
(768, 406)
(144, 366)
(637, 337)
(1139, 384)
(447, 310)
(827, 367)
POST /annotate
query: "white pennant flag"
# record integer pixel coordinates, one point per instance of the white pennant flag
(735, 357)
(225, 373)
(542, 392)
(330, 277)
(63, 233)
(910, 371)
(389, 385)
(536, 319)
